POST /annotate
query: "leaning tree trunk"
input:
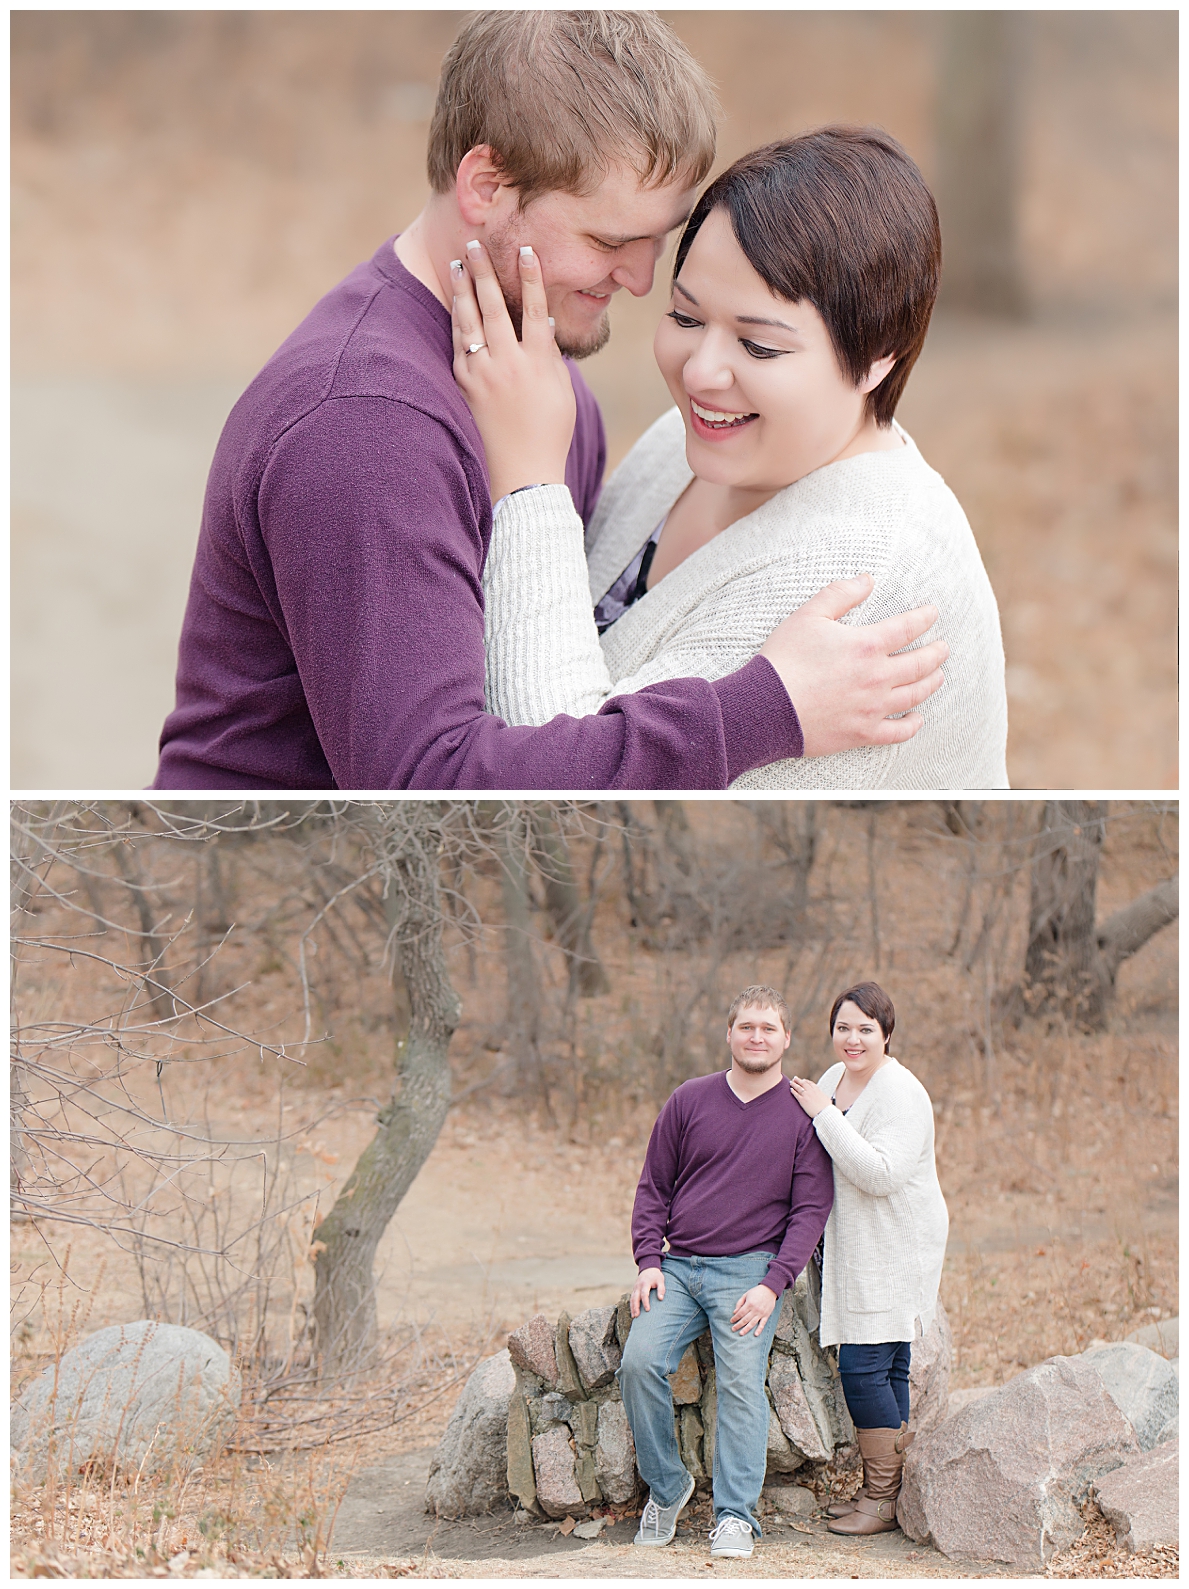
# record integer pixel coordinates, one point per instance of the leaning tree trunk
(523, 1019)
(978, 136)
(346, 1240)
(1071, 962)
(569, 913)
(1060, 970)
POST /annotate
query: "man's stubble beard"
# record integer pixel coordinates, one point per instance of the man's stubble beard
(756, 1066)
(504, 259)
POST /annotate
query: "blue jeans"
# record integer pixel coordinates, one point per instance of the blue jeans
(875, 1383)
(701, 1292)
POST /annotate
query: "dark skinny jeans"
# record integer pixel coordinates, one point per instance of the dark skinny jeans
(875, 1383)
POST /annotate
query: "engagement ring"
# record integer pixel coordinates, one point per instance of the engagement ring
(475, 346)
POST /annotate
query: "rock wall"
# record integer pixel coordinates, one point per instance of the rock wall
(569, 1445)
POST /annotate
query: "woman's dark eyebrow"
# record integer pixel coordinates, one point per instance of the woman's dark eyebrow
(755, 320)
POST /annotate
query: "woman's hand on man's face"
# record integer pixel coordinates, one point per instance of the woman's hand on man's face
(519, 391)
(810, 1096)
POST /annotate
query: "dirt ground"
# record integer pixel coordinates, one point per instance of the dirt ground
(1061, 1179)
(185, 186)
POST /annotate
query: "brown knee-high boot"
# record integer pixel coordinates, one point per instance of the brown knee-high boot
(844, 1508)
(883, 1460)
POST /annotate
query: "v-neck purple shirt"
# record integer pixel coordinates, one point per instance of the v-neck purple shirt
(333, 636)
(723, 1177)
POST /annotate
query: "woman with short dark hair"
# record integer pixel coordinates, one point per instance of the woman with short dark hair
(884, 1242)
(803, 288)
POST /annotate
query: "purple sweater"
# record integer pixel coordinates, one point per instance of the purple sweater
(723, 1177)
(333, 636)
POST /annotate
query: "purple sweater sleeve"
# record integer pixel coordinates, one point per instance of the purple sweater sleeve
(654, 1194)
(809, 1209)
(385, 621)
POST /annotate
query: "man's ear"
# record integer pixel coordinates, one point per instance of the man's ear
(480, 187)
(878, 372)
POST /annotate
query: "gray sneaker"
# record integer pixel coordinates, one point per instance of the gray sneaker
(731, 1537)
(659, 1523)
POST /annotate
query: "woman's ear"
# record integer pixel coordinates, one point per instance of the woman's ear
(480, 188)
(878, 372)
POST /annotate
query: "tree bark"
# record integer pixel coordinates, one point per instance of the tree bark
(1129, 929)
(1071, 964)
(410, 836)
(569, 913)
(523, 1019)
(1060, 970)
(978, 176)
(791, 827)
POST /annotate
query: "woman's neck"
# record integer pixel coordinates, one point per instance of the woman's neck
(706, 508)
(852, 1081)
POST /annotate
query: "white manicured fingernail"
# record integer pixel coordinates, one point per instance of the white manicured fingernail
(526, 253)
(552, 323)
(472, 245)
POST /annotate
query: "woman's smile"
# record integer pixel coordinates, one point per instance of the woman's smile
(713, 422)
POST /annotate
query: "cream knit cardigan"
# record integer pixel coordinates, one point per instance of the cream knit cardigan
(884, 513)
(886, 1234)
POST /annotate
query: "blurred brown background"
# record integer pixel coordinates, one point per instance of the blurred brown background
(187, 184)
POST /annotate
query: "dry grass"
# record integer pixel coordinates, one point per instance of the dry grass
(1057, 1152)
(1099, 1555)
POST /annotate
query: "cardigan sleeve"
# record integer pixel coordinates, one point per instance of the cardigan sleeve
(543, 652)
(883, 1158)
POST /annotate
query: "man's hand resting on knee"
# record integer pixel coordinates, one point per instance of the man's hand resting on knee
(753, 1310)
(844, 680)
(645, 1280)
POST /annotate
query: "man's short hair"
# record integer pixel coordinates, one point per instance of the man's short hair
(840, 217)
(760, 998)
(561, 96)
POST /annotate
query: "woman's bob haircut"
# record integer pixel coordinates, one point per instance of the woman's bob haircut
(840, 217)
(875, 1005)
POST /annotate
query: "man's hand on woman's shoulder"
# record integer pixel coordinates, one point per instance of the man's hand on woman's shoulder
(846, 680)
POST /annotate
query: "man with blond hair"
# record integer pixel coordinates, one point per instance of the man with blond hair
(333, 636)
(737, 1184)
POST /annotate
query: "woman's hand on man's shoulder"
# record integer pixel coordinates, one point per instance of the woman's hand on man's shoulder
(810, 1096)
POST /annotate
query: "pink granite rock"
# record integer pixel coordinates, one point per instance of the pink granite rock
(1000, 1480)
(686, 1381)
(1139, 1499)
(929, 1374)
(792, 1408)
(553, 1468)
(531, 1347)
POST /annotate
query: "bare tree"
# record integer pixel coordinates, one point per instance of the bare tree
(570, 914)
(407, 841)
(1071, 961)
(978, 145)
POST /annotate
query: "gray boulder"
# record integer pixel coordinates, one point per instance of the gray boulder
(615, 1457)
(929, 1374)
(595, 1346)
(469, 1470)
(1139, 1499)
(807, 1392)
(958, 1399)
(143, 1395)
(1002, 1479)
(1162, 1337)
(534, 1348)
(1144, 1386)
